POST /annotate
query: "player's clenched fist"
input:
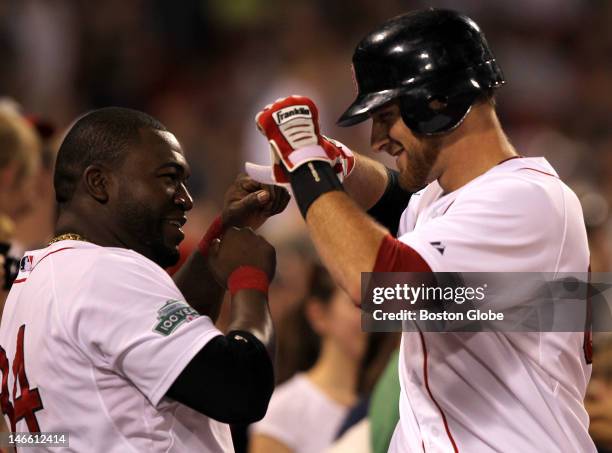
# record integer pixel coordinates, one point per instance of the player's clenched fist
(241, 247)
(291, 126)
(249, 203)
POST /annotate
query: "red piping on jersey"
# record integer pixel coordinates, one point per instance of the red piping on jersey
(448, 207)
(539, 171)
(50, 253)
(526, 168)
(21, 280)
(508, 158)
(448, 433)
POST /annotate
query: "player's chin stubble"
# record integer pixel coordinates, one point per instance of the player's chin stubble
(145, 230)
(419, 161)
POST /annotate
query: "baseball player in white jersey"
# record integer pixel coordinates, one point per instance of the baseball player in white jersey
(98, 342)
(427, 80)
(498, 391)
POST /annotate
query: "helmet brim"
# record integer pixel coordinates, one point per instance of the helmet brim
(362, 107)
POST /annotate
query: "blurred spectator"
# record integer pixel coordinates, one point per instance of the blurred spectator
(20, 159)
(294, 258)
(19, 167)
(3, 292)
(35, 228)
(599, 396)
(384, 406)
(306, 411)
(369, 424)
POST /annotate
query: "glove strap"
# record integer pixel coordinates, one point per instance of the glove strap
(310, 181)
(307, 154)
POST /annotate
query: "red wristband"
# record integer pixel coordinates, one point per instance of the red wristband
(214, 231)
(248, 277)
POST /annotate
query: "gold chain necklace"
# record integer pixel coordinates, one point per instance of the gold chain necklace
(67, 237)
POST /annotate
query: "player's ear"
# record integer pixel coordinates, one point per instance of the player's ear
(97, 181)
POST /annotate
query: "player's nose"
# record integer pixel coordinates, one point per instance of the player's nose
(183, 198)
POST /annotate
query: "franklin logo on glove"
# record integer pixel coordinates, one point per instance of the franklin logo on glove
(291, 126)
(298, 111)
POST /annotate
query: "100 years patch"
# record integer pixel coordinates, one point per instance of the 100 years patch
(173, 314)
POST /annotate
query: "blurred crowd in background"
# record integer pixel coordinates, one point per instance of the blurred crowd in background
(205, 68)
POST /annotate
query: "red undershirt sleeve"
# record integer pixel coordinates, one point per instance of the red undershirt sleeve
(395, 256)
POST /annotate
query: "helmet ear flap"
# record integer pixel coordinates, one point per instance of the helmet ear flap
(437, 114)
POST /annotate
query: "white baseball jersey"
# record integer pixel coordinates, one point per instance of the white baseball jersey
(489, 391)
(95, 337)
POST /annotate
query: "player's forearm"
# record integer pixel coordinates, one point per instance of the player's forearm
(346, 238)
(250, 313)
(367, 182)
(377, 190)
(199, 287)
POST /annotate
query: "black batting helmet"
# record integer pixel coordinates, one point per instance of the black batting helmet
(436, 62)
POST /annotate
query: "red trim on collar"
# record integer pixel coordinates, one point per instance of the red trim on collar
(510, 158)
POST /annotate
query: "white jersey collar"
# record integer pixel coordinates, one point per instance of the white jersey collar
(434, 190)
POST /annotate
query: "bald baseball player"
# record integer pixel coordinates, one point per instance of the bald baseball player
(97, 341)
(463, 200)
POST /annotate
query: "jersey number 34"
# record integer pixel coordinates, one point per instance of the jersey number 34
(28, 402)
